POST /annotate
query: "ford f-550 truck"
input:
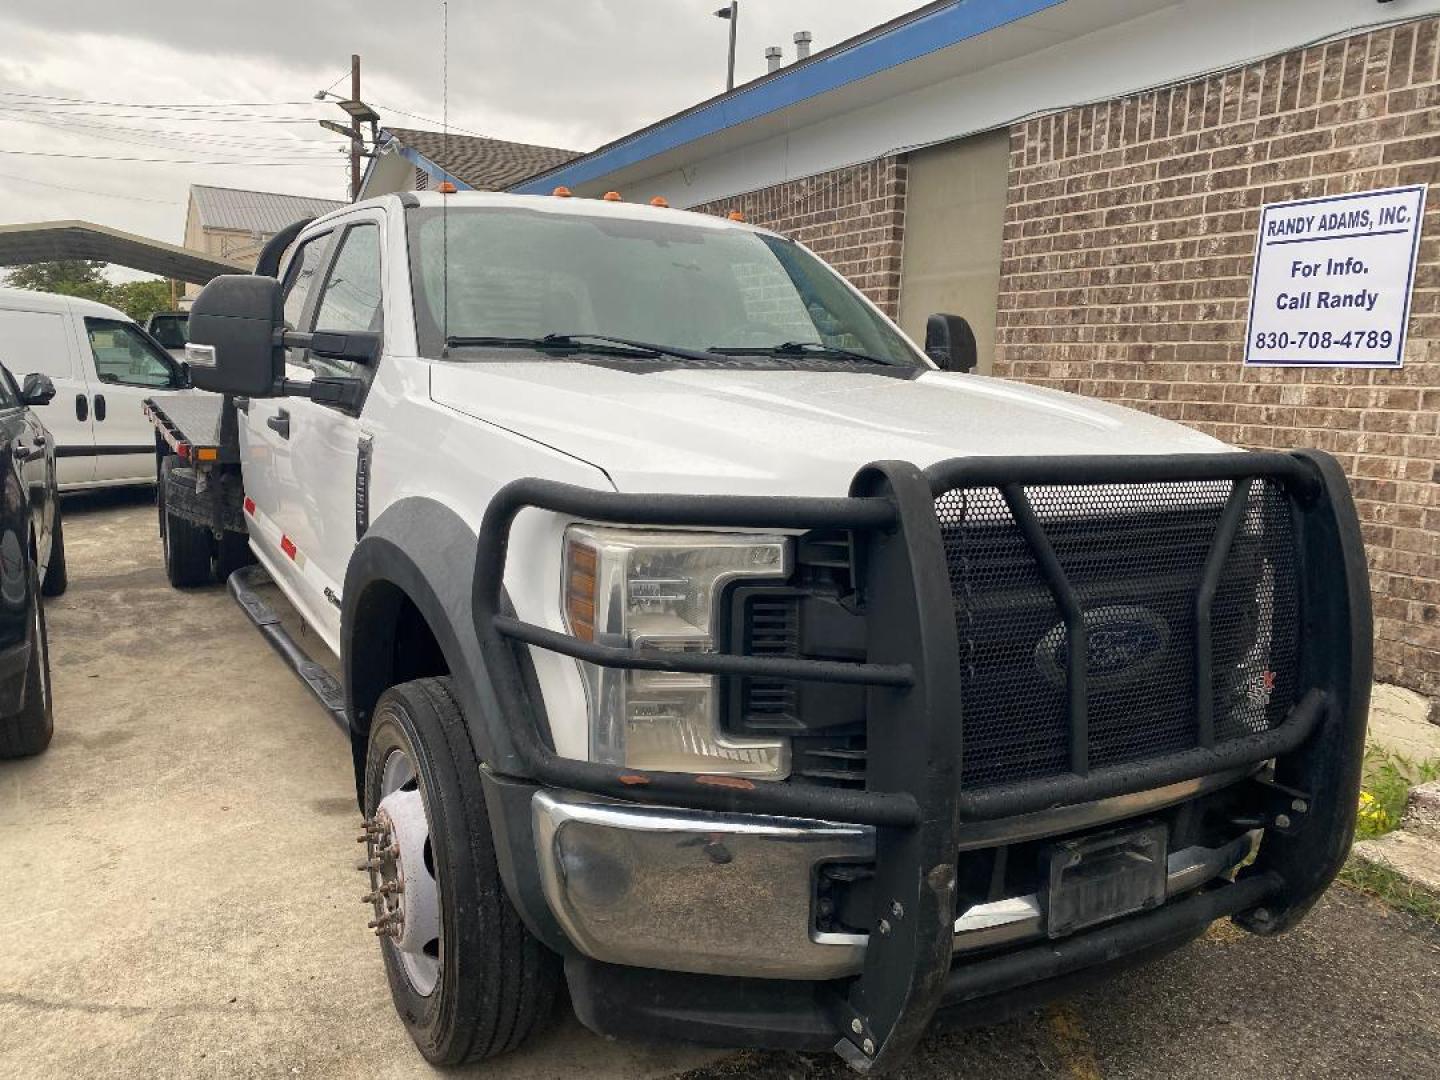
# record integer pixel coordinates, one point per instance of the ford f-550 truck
(707, 644)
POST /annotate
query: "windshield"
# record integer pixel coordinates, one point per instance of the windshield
(169, 330)
(522, 274)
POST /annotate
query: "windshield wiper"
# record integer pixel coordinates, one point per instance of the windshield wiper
(611, 346)
(801, 348)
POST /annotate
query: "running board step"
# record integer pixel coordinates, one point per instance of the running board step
(243, 584)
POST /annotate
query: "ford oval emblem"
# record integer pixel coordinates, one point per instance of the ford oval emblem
(1123, 643)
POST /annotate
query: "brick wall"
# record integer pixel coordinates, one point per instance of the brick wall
(853, 218)
(1129, 241)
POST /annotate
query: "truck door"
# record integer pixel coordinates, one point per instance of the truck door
(265, 423)
(125, 367)
(42, 341)
(317, 510)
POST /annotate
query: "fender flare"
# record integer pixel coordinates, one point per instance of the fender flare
(425, 551)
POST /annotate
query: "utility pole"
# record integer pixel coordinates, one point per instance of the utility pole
(354, 128)
(359, 113)
(732, 13)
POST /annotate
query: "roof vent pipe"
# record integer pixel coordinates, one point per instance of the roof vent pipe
(802, 45)
(773, 57)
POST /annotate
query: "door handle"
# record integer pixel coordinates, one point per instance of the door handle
(279, 423)
(99, 406)
(82, 407)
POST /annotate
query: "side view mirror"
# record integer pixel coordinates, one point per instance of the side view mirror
(37, 389)
(950, 342)
(234, 345)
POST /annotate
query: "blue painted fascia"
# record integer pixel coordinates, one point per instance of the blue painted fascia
(420, 161)
(938, 30)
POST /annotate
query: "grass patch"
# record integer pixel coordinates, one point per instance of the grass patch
(1386, 784)
(1382, 882)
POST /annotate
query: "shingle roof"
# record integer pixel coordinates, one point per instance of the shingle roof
(264, 212)
(484, 164)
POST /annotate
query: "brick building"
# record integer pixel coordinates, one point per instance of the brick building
(1084, 182)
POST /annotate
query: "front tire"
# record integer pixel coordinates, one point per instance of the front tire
(28, 732)
(481, 984)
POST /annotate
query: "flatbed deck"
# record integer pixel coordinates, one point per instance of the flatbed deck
(190, 424)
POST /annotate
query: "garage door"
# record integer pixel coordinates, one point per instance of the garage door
(954, 214)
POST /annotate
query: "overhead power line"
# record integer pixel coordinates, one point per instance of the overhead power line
(62, 101)
(156, 161)
(87, 191)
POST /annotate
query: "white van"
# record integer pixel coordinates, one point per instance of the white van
(103, 366)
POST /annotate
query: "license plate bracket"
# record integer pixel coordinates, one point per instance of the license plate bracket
(1094, 879)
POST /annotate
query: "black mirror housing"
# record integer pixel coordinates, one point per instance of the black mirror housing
(234, 343)
(950, 342)
(37, 389)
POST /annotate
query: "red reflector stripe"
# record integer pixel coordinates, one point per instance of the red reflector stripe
(249, 505)
(288, 546)
(182, 450)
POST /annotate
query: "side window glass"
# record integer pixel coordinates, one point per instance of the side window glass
(351, 299)
(9, 390)
(300, 278)
(299, 281)
(123, 354)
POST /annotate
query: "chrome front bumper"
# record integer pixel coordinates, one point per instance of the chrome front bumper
(722, 894)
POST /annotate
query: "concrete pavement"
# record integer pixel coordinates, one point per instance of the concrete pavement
(180, 898)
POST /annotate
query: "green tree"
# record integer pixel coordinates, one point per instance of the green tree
(141, 299)
(72, 277)
(85, 278)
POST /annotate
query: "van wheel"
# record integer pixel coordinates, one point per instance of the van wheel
(187, 546)
(57, 577)
(466, 976)
(28, 732)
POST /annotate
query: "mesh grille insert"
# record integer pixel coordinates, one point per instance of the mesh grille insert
(1134, 553)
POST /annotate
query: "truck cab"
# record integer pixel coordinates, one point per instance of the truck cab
(701, 642)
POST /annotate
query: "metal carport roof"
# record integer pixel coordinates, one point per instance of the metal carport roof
(49, 241)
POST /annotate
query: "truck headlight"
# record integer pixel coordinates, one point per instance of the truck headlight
(658, 590)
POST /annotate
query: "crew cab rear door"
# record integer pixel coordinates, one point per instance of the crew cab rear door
(264, 430)
(314, 500)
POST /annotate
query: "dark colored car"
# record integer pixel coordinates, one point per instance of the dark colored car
(32, 565)
(171, 329)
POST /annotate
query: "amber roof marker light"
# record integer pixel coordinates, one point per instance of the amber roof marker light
(736, 215)
(612, 196)
(562, 192)
(445, 187)
(660, 200)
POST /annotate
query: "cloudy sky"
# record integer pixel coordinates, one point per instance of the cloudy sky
(222, 90)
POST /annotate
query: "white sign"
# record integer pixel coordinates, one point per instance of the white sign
(1332, 280)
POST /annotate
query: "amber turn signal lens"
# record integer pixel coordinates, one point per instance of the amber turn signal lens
(580, 565)
(612, 196)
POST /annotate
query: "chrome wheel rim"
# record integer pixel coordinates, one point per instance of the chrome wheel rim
(405, 893)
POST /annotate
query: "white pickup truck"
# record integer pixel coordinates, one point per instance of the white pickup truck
(705, 643)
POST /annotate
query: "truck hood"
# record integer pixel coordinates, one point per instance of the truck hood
(785, 432)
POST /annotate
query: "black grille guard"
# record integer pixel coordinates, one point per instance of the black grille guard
(914, 704)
